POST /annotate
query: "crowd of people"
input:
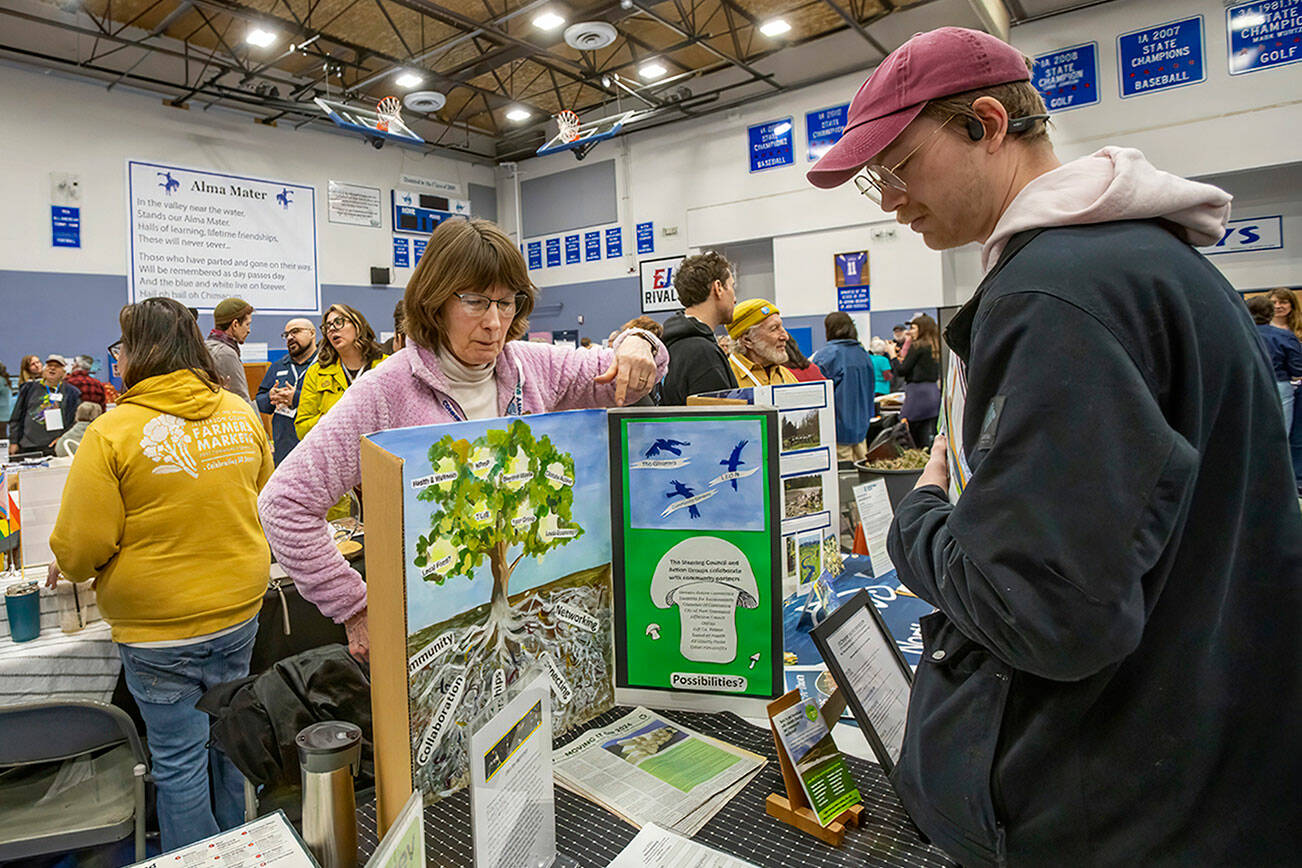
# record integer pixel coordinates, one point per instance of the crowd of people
(1107, 573)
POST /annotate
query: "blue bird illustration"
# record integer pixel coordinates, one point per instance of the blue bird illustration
(733, 461)
(169, 184)
(284, 197)
(667, 446)
(681, 490)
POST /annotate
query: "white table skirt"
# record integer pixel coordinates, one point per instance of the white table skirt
(56, 665)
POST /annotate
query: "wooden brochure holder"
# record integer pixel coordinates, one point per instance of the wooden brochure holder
(793, 808)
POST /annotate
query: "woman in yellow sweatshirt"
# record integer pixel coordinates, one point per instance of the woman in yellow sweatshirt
(161, 508)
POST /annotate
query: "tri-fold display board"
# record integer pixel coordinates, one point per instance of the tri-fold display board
(492, 546)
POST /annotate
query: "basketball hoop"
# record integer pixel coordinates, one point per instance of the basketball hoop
(390, 111)
(568, 122)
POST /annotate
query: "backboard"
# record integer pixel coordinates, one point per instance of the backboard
(366, 121)
(590, 133)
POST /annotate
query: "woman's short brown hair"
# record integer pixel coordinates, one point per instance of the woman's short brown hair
(158, 337)
(465, 256)
(365, 341)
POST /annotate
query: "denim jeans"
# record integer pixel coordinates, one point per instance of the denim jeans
(1286, 392)
(167, 682)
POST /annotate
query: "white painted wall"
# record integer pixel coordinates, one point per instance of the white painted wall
(84, 129)
(694, 175)
(1227, 123)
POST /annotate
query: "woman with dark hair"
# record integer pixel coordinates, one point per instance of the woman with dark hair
(920, 368)
(801, 367)
(348, 351)
(850, 369)
(160, 507)
(467, 302)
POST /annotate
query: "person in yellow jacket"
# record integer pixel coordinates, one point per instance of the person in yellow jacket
(160, 507)
(348, 351)
(759, 353)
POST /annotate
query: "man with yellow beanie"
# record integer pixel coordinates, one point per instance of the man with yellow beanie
(760, 344)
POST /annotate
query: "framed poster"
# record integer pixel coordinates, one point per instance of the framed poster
(867, 665)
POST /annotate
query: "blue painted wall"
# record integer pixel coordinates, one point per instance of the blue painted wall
(42, 313)
(78, 313)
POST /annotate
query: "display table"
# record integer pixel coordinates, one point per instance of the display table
(58, 665)
(592, 836)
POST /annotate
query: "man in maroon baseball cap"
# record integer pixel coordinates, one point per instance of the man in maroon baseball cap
(1119, 586)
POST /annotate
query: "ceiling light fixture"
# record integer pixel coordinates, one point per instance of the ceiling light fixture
(409, 79)
(518, 114)
(651, 70)
(776, 27)
(548, 20)
(259, 37)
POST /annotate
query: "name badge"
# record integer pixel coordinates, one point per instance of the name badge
(56, 397)
(53, 419)
(285, 411)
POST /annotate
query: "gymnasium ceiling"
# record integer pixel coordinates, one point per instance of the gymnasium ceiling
(487, 57)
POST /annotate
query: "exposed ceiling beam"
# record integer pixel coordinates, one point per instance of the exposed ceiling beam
(737, 62)
(856, 26)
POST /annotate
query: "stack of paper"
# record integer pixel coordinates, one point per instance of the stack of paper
(647, 769)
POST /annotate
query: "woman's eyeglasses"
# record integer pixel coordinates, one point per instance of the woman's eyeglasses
(115, 350)
(478, 304)
(334, 325)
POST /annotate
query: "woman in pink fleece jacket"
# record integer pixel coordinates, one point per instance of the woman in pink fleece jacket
(467, 302)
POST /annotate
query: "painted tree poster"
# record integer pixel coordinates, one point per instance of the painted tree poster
(506, 546)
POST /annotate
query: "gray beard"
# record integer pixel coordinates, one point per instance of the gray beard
(767, 357)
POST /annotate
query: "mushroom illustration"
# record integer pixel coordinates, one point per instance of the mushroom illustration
(754, 658)
(653, 630)
(707, 578)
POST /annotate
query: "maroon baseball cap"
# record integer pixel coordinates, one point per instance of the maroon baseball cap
(940, 62)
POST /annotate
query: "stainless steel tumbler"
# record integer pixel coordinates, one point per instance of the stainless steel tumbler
(328, 755)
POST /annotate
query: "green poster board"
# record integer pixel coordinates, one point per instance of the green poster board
(695, 532)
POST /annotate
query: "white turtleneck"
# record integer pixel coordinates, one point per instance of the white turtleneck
(473, 388)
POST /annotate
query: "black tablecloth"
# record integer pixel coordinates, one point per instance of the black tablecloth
(593, 836)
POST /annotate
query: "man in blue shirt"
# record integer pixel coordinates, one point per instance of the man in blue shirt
(280, 388)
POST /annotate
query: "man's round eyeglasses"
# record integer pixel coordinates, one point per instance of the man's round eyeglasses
(876, 179)
(287, 332)
(477, 303)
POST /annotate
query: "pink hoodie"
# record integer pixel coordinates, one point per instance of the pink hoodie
(1112, 184)
(404, 391)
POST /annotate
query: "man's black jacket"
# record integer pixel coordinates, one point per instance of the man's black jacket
(1112, 677)
(696, 364)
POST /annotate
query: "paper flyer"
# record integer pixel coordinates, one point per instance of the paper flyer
(267, 842)
(655, 847)
(822, 770)
(513, 806)
(875, 514)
